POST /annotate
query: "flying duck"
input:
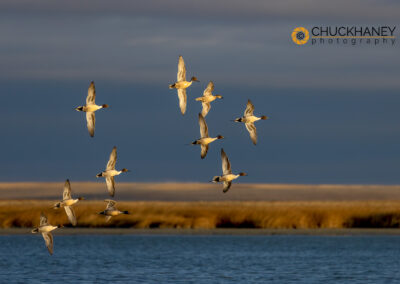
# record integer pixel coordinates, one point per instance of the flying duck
(45, 228)
(182, 84)
(67, 203)
(110, 172)
(207, 98)
(111, 210)
(248, 119)
(227, 176)
(205, 139)
(90, 109)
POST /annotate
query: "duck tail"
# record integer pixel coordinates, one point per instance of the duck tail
(172, 86)
(36, 230)
(57, 205)
(125, 212)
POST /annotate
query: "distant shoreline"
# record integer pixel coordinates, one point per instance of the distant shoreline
(206, 232)
(174, 192)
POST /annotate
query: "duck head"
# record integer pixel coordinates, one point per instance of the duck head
(125, 170)
(264, 117)
(219, 96)
(220, 137)
(105, 106)
(81, 198)
(242, 174)
(194, 79)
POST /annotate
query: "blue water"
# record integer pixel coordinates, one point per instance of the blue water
(200, 259)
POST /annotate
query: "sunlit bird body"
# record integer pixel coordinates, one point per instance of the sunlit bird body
(181, 84)
(90, 108)
(248, 119)
(67, 203)
(205, 139)
(111, 210)
(227, 176)
(207, 98)
(110, 172)
(45, 229)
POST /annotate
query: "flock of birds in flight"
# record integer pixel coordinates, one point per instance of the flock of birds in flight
(110, 172)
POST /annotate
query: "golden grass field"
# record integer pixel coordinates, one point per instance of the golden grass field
(204, 206)
(210, 215)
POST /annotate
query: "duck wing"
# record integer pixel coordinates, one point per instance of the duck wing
(209, 89)
(249, 109)
(67, 190)
(204, 150)
(110, 185)
(227, 186)
(182, 100)
(91, 122)
(110, 204)
(48, 239)
(226, 165)
(181, 76)
(203, 126)
(252, 131)
(112, 160)
(43, 220)
(206, 108)
(71, 214)
(91, 97)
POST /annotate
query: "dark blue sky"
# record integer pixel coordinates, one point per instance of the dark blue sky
(334, 109)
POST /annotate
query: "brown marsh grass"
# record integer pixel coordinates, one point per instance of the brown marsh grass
(210, 215)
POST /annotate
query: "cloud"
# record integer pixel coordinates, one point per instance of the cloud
(230, 43)
(234, 10)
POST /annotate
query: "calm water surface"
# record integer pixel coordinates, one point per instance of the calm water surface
(200, 259)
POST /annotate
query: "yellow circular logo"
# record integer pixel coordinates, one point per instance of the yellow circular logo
(300, 35)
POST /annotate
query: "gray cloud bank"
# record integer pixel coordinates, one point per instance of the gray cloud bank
(226, 41)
